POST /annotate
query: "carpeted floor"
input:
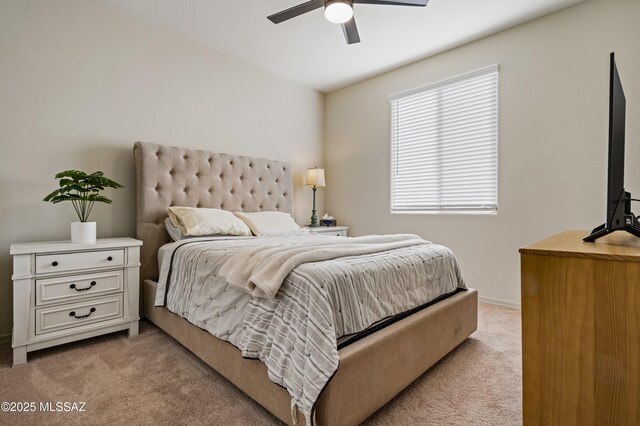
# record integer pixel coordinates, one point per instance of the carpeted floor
(152, 380)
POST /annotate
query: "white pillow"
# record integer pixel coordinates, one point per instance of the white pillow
(174, 232)
(198, 222)
(270, 223)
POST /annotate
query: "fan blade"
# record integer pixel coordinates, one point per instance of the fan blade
(420, 3)
(294, 11)
(350, 31)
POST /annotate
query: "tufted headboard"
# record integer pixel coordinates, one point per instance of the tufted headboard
(168, 176)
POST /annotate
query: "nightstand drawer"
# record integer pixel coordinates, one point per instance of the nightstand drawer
(67, 289)
(82, 260)
(338, 231)
(335, 233)
(77, 314)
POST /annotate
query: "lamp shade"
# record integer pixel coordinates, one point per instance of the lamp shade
(315, 177)
(338, 11)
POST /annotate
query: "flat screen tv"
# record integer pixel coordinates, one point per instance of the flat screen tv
(619, 215)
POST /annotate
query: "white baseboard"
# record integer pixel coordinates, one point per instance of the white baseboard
(5, 338)
(499, 302)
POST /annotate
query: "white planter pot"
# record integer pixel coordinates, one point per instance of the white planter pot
(83, 232)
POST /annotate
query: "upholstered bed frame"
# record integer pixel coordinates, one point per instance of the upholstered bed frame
(371, 371)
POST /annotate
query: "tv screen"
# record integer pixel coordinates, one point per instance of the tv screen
(617, 111)
(619, 215)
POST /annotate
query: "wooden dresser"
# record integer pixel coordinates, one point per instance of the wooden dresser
(581, 330)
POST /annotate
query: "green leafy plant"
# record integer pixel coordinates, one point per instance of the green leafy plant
(83, 190)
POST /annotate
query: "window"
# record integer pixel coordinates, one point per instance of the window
(444, 145)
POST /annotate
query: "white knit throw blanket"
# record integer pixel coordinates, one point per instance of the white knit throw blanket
(261, 270)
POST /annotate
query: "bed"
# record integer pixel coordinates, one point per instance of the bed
(372, 369)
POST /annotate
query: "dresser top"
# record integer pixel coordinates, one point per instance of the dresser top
(57, 246)
(617, 246)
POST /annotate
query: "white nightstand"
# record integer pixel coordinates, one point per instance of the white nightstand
(340, 231)
(65, 291)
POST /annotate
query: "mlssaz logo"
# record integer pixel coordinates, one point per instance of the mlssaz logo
(62, 406)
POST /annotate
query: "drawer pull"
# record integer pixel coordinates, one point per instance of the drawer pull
(73, 286)
(73, 314)
(54, 263)
(109, 258)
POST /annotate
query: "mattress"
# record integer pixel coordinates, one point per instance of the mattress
(296, 333)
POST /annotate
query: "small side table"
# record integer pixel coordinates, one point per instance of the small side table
(63, 292)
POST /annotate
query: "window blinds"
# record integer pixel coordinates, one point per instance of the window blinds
(444, 145)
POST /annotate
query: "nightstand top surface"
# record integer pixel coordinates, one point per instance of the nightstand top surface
(56, 246)
(328, 228)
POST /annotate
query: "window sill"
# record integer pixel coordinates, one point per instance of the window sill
(449, 212)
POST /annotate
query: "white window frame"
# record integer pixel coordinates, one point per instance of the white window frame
(489, 211)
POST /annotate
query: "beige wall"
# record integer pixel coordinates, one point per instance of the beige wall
(552, 148)
(80, 82)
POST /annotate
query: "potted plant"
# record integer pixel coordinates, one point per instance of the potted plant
(83, 190)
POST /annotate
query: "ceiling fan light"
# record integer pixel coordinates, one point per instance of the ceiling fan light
(338, 11)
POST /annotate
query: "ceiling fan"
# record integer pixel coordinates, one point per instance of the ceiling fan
(340, 12)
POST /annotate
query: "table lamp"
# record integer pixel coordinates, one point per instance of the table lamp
(315, 178)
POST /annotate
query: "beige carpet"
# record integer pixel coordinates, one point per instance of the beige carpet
(152, 380)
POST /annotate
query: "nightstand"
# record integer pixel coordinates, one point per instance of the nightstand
(65, 291)
(340, 231)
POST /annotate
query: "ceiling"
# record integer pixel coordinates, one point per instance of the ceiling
(313, 52)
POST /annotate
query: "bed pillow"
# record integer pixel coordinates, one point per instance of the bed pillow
(196, 222)
(174, 232)
(270, 223)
